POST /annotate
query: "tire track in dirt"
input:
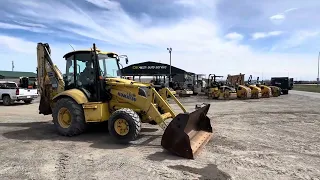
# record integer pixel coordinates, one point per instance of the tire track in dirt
(90, 167)
(63, 163)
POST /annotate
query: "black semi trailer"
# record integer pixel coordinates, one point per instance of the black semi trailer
(291, 84)
(283, 83)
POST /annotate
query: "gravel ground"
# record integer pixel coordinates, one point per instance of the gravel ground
(275, 138)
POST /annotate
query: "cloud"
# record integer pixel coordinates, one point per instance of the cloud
(16, 44)
(297, 39)
(185, 2)
(23, 53)
(279, 18)
(106, 4)
(291, 9)
(198, 40)
(24, 26)
(234, 36)
(260, 35)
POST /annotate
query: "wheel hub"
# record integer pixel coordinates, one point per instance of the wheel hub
(121, 126)
(64, 117)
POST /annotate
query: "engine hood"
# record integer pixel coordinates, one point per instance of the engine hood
(126, 81)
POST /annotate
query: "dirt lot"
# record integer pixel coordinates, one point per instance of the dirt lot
(276, 138)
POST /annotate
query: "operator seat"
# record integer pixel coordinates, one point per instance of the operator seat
(87, 75)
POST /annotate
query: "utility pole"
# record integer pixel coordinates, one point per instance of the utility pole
(12, 66)
(170, 50)
(318, 70)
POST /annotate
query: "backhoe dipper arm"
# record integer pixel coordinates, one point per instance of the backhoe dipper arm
(249, 80)
(50, 80)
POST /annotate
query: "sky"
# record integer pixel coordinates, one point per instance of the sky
(263, 38)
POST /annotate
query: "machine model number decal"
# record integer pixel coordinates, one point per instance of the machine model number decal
(129, 96)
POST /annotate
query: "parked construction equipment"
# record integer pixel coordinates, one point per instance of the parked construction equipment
(92, 94)
(268, 91)
(183, 85)
(255, 91)
(200, 84)
(217, 90)
(237, 81)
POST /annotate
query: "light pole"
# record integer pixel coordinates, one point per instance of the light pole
(170, 50)
(318, 70)
(287, 72)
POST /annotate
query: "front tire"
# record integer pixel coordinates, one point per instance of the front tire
(124, 125)
(68, 117)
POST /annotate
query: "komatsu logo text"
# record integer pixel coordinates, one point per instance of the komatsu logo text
(129, 96)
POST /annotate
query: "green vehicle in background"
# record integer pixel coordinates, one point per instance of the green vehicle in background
(285, 83)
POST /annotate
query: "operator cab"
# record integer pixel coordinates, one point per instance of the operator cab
(87, 70)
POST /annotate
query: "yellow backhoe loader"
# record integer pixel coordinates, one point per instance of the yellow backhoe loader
(217, 90)
(90, 93)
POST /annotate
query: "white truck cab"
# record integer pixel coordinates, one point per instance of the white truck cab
(10, 92)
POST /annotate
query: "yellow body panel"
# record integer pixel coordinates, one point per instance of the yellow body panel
(275, 91)
(213, 93)
(126, 96)
(216, 93)
(126, 82)
(96, 111)
(255, 91)
(75, 94)
(243, 92)
(266, 91)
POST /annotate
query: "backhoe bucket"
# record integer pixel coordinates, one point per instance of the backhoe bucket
(187, 133)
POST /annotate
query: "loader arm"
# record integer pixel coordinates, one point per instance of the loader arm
(185, 135)
(50, 79)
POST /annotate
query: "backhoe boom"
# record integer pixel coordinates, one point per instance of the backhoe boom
(50, 79)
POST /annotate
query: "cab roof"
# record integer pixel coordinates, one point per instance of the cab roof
(87, 51)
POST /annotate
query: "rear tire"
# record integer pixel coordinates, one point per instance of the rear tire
(131, 129)
(7, 100)
(76, 124)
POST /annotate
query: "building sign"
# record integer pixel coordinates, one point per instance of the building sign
(149, 67)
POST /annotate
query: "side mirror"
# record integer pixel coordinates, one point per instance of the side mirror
(127, 60)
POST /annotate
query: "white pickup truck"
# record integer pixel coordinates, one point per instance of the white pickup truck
(10, 92)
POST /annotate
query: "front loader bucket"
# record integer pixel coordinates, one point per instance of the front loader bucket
(187, 133)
